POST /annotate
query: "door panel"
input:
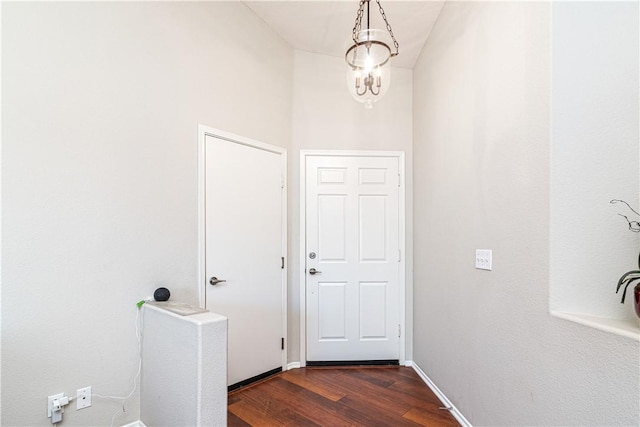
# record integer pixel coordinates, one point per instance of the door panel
(352, 241)
(373, 229)
(244, 246)
(332, 311)
(331, 228)
(373, 313)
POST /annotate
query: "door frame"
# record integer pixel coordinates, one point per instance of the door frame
(402, 285)
(203, 132)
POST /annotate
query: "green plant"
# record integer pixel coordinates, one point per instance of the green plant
(633, 275)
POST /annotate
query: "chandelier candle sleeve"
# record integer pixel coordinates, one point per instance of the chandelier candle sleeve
(367, 57)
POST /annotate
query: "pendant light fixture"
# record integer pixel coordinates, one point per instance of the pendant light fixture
(368, 67)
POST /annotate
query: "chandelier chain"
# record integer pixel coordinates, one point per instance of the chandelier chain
(384, 17)
(358, 24)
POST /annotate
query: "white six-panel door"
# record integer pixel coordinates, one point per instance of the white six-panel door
(353, 244)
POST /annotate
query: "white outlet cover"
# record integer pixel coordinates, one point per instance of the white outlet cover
(83, 398)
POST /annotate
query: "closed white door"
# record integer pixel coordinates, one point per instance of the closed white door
(352, 258)
(244, 245)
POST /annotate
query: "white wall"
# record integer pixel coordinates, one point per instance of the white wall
(595, 142)
(101, 103)
(325, 116)
(482, 156)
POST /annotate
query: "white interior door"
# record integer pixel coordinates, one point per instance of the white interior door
(244, 245)
(352, 258)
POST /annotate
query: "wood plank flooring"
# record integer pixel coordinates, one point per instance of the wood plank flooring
(353, 396)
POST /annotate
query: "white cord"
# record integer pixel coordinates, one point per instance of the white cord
(115, 414)
(139, 324)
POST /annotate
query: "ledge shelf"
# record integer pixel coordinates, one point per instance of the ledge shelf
(629, 328)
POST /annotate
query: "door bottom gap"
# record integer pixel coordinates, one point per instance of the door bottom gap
(252, 380)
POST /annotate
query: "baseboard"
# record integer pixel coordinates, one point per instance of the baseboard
(135, 424)
(440, 395)
(293, 365)
(351, 363)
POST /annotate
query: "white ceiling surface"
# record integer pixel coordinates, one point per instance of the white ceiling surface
(325, 26)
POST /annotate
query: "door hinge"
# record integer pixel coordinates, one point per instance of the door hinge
(399, 331)
(282, 343)
(282, 265)
(399, 255)
(399, 180)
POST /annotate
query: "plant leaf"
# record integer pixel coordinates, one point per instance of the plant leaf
(624, 294)
(624, 278)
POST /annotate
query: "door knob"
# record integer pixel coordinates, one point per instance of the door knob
(214, 281)
(313, 271)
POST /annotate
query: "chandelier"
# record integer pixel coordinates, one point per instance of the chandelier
(368, 67)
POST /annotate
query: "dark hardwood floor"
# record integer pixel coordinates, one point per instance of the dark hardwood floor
(353, 396)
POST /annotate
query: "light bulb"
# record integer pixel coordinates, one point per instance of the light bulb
(368, 64)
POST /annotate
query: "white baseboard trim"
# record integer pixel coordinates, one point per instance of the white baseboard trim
(135, 424)
(293, 365)
(439, 394)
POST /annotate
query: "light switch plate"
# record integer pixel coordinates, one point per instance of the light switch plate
(484, 259)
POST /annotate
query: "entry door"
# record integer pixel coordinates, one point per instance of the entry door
(244, 246)
(352, 258)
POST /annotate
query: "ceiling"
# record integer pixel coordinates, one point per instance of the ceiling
(325, 26)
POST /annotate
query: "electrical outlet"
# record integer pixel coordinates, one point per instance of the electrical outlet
(50, 399)
(55, 407)
(484, 259)
(83, 398)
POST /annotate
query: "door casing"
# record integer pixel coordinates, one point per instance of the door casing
(302, 255)
(203, 131)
